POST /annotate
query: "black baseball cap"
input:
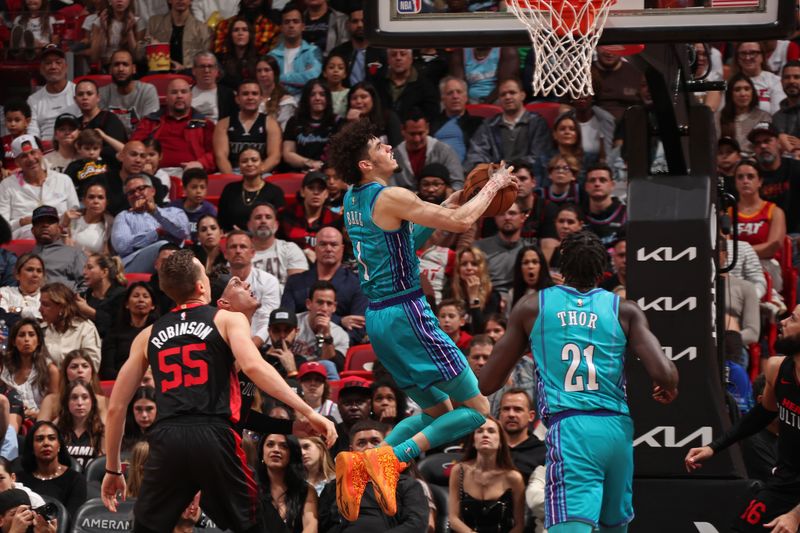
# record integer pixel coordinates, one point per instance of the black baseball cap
(52, 49)
(729, 141)
(13, 498)
(44, 211)
(762, 127)
(282, 316)
(67, 118)
(313, 176)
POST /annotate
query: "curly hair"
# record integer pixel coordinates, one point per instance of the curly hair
(63, 297)
(66, 422)
(400, 398)
(12, 359)
(583, 259)
(350, 146)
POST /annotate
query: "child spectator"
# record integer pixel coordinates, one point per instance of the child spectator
(334, 72)
(32, 30)
(152, 161)
(194, 204)
(336, 189)
(452, 317)
(17, 114)
(117, 26)
(65, 134)
(89, 168)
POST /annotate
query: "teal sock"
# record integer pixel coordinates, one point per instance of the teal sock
(451, 426)
(405, 451)
(407, 428)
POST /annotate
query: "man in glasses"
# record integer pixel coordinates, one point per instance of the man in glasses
(139, 232)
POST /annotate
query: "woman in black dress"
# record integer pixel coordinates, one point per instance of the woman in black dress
(138, 311)
(289, 502)
(238, 198)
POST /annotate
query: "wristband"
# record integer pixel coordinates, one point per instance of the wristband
(291, 374)
(113, 473)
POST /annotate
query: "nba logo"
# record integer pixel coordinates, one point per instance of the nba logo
(409, 6)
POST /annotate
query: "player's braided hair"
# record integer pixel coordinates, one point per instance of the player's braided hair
(583, 259)
(348, 147)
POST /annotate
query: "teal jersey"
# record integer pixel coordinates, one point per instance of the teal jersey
(579, 347)
(387, 262)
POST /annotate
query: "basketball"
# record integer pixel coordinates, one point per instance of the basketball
(475, 182)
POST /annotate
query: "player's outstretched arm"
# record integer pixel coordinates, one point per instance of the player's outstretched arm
(397, 203)
(128, 380)
(751, 423)
(237, 331)
(646, 347)
(511, 346)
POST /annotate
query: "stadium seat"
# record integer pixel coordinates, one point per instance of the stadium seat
(335, 387)
(62, 517)
(435, 469)
(290, 183)
(96, 469)
(161, 81)
(93, 517)
(547, 110)
(440, 499)
(133, 277)
(100, 79)
(176, 188)
(358, 361)
(217, 182)
(20, 246)
(788, 273)
(484, 110)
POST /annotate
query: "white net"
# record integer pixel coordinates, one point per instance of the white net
(564, 34)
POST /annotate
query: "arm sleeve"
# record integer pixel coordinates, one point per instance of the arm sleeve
(150, 102)
(751, 318)
(751, 268)
(751, 423)
(121, 235)
(5, 208)
(90, 344)
(295, 258)
(33, 126)
(174, 221)
(534, 493)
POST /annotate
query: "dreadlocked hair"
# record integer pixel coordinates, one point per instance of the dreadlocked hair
(350, 146)
(583, 259)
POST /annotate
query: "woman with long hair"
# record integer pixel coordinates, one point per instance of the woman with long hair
(65, 327)
(741, 112)
(207, 249)
(139, 454)
(569, 219)
(26, 365)
(309, 130)
(45, 467)
(75, 367)
(142, 414)
(317, 462)
(389, 402)
(486, 493)
(32, 29)
(105, 280)
(531, 274)
(277, 102)
(472, 286)
(239, 62)
(116, 27)
(288, 500)
(90, 228)
(24, 298)
(80, 423)
(335, 74)
(137, 312)
(567, 140)
(363, 102)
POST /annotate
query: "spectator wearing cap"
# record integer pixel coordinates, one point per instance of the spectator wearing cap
(34, 186)
(62, 263)
(319, 338)
(454, 126)
(787, 118)
(17, 516)
(278, 257)
(139, 232)
(316, 390)
(300, 224)
(279, 344)
(64, 150)
(351, 304)
(239, 252)
(56, 97)
(419, 149)
(355, 404)
(729, 153)
(781, 174)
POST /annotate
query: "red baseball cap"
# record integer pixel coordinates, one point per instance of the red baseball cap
(311, 367)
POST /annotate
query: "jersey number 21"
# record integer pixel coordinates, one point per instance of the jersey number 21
(576, 383)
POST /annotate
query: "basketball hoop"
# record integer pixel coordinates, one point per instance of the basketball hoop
(564, 34)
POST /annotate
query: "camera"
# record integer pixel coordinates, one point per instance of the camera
(48, 511)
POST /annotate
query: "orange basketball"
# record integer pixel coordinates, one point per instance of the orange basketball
(475, 182)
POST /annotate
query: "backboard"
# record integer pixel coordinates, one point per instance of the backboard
(431, 23)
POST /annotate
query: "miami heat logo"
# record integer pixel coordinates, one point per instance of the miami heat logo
(183, 315)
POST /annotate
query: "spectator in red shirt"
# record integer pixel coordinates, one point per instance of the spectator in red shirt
(18, 116)
(301, 223)
(185, 135)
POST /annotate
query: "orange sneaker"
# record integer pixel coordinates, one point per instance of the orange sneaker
(384, 469)
(351, 480)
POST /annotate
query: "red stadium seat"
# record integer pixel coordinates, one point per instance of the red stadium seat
(547, 110)
(484, 110)
(133, 277)
(161, 81)
(176, 188)
(20, 246)
(358, 361)
(290, 183)
(788, 273)
(216, 183)
(100, 79)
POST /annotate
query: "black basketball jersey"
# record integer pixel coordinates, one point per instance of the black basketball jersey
(193, 366)
(239, 139)
(787, 393)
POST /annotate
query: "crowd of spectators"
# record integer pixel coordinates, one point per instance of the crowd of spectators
(90, 173)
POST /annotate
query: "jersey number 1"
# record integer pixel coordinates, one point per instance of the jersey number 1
(175, 371)
(572, 383)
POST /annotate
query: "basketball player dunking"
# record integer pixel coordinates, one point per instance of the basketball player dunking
(193, 445)
(776, 505)
(578, 335)
(405, 334)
